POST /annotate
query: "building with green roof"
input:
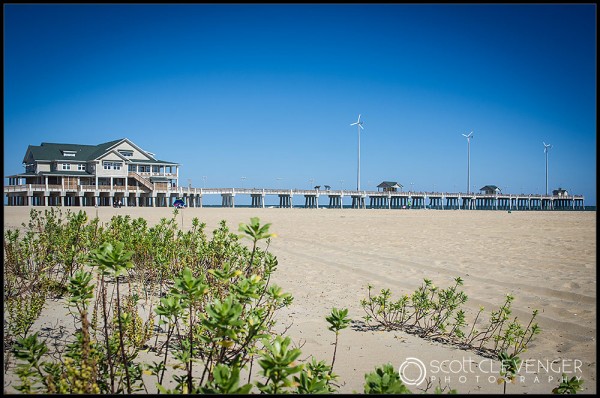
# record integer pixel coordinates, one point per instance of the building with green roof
(90, 175)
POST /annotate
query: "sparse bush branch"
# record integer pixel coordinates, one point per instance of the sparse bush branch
(435, 313)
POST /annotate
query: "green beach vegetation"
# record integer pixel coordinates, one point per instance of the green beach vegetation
(202, 308)
(435, 313)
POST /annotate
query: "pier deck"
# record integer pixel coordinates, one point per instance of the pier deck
(90, 195)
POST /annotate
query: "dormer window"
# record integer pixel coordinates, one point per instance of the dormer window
(126, 152)
(69, 153)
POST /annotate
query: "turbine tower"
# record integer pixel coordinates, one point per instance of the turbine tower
(546, 148)
(359, 124)
(468, 159)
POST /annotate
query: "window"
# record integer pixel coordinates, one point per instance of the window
(126, 152)
(66, 166)
(132, 167)
(155, 169)
(112, 165)
(81, 167)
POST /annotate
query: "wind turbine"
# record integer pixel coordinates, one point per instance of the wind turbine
(546, 148)
(468, 159)
(359, 124)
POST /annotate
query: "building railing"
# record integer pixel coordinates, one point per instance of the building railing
(141, 179)
(155, 174)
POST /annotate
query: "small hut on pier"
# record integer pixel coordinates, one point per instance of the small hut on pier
(560, 192)
(389, 186)
(490, 190)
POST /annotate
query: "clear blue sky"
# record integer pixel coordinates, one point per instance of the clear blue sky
(268, 92)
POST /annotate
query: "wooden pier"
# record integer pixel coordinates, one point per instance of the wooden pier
(60, 195)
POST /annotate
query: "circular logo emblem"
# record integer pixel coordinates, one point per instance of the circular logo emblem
(407, 376)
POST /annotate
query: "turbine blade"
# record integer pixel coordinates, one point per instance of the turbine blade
(360, 125)
(352, 124)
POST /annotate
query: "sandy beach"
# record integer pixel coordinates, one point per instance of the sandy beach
(327, 257)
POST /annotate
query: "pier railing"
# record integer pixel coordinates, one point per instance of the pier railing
(165, 195)
(24, 188)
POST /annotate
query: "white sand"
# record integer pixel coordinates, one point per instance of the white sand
(327, 257)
